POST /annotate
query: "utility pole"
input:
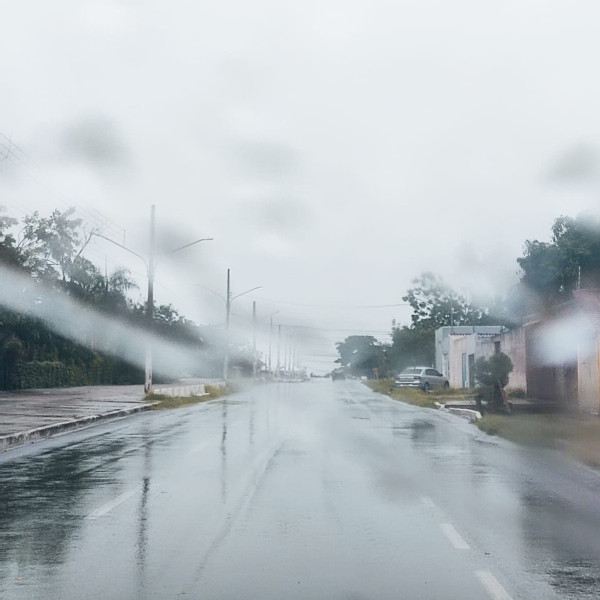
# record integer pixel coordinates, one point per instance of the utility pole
(150, 269)
(270, 337)
(278, 346)
(228, 300)
(150, 305)
(227, 310)
(254, 339)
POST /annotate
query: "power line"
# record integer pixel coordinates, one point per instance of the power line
(334, 306)
(335, 330)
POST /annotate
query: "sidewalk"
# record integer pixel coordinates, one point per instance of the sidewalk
(30, 415)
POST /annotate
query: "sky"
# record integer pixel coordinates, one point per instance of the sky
(333, 150)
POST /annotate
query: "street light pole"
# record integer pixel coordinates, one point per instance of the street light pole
(150, 305)
(278, 347)
(270, 336)
(228, 300)
(227, 310)
(150, 269)
(254, 339)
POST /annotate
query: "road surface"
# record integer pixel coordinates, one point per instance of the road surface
(297, 491)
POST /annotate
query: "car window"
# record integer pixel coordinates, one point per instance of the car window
(432, 372)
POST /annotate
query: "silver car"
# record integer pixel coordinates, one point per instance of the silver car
(424, 378)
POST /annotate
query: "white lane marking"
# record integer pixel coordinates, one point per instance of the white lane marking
(492, 585)
(198, 448)
(106, 508)
(428, 502)
(455, 538)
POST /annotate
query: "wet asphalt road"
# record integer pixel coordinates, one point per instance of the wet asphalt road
(314, 490)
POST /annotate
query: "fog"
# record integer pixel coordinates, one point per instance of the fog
(333, 150)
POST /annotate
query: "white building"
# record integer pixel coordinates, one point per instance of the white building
(477, 341)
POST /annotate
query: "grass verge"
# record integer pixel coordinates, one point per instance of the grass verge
(408, 395)
(163, 401)
(578, 436)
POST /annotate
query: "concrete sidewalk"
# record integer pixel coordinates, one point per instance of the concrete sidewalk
(30, 415)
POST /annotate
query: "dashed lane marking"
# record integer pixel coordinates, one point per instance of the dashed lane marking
(492, 585)
(455, 538)
(106, 508)
(428, 502)
(199, 448)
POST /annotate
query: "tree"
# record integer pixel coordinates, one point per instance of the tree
(9, 253)
(363, 355)
(51, 244)
(554, 269)
(435, 304)
(492, 373)
(411, 346)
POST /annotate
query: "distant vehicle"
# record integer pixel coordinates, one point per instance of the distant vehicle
(424, 378)
(338, 374)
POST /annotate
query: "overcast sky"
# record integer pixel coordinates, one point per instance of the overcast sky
(333, 150)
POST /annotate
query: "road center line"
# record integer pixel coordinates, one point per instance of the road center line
(455, 538)
(106, 508)
(492, 585)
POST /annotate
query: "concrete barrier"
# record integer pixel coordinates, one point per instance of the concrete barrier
(182, 390)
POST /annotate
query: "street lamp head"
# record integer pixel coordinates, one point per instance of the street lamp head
(244, 293)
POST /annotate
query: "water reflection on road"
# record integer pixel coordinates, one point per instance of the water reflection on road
(299, 491)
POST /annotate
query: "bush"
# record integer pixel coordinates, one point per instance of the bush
(492, 375)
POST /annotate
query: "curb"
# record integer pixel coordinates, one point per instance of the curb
(39, 433)
(473, 415)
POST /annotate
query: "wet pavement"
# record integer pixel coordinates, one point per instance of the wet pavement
(26, 416)
(296, 491)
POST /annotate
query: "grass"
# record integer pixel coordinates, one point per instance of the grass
(162, 401)
(579, 436)
(408, 395)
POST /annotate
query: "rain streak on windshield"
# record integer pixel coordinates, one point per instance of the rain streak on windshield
(227, 228)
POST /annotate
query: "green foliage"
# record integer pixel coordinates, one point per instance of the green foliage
(31, 355)
(363, 355)
(493, 370)
(411, 346)
(9, 253)
(435, 304)
(553, 270)
(408, 395)
(49, 375)
(51, 244)
(492, 375)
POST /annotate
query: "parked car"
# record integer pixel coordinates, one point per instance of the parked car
(421, 377)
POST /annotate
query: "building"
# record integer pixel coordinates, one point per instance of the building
(443, 337)
(555, 355)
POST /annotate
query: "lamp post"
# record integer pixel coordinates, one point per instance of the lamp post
(151, 264)
(228, 300)
(271, 334)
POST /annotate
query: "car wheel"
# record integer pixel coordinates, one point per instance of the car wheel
(446, 385)
(426, 387)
